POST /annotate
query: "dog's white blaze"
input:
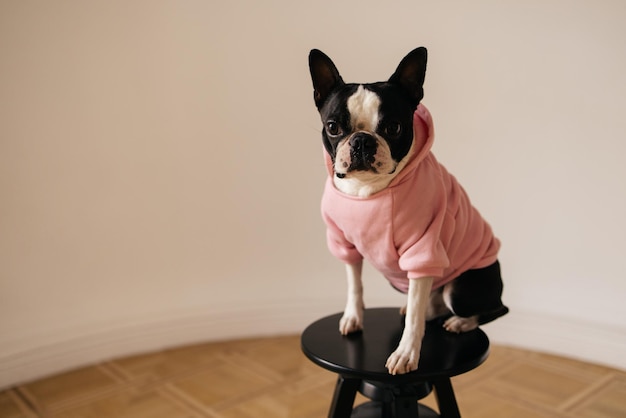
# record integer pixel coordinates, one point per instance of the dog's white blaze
(363, 106)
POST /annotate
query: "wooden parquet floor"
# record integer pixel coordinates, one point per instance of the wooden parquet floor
(270, 377)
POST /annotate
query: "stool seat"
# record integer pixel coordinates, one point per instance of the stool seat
(359, 360)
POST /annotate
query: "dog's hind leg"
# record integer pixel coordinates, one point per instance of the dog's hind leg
(474, 298)
(459, 324)
(484, 318)
(436, 306)
(456, 323)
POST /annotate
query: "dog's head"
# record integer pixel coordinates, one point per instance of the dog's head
(367, 128)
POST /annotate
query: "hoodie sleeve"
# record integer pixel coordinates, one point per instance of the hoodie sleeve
(339, 246)
(336, 240)
(418, 227)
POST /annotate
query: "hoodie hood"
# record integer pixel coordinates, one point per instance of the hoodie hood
(423, 138)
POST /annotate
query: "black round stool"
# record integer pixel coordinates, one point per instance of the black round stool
(360, 358)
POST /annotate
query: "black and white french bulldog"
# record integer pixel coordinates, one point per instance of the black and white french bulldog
(389, 201)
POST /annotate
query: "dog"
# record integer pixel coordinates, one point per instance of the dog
(389, 201)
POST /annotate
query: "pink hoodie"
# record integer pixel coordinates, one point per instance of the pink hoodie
(421, 225)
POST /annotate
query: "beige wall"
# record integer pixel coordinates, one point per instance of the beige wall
(160, 166)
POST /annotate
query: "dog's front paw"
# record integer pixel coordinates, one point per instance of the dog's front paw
(351, 321)
(405, 359)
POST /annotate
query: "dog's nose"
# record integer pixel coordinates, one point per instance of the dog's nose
(363, 142)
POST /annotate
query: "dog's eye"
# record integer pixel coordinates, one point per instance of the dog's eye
(333, 128)
(392, 129)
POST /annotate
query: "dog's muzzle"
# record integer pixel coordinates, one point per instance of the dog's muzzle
(362, 152)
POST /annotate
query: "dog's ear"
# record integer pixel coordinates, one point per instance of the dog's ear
(325, 76)
(411, 72)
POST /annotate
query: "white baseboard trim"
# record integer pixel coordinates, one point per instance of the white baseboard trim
(28, 361)
(589, 342)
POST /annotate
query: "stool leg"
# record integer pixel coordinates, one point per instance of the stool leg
(343, 399)
(446, 400)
